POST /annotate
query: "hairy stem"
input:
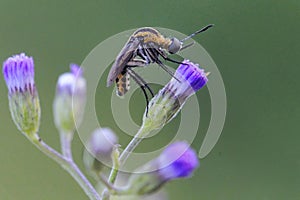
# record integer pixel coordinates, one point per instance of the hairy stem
(68, 165)
(65, 143)
(143, 131)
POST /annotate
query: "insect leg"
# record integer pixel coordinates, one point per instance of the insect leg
(136, 63)
(170, 59)
(135, 76)
(163, 55)
(143, 86)
(144, 54)
(161, 64)
(152, 54)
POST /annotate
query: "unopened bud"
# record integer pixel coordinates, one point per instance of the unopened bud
(70, 98)
(168, 102)
(99, 150)
(177, 161)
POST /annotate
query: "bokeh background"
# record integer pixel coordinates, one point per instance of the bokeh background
(256, 46)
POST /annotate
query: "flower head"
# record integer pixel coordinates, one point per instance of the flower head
(191, 78)
(178, 160)
(188, 79)
(18, 72)
(70, 99)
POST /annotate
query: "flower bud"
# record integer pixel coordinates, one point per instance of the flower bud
(178, 160)
(70, 98)
(99, 149)
(164, 106)
(24, 105)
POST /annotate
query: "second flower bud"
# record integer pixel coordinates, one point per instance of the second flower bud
(70, 98)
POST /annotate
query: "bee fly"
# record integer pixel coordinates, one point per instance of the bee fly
(145, 46)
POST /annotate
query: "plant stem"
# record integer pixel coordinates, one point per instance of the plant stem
(65, 143)
(143, 131)
(112, 189)
(116, 165)
(68, 165)
(125, 154)
(139, 136)
(113, 174)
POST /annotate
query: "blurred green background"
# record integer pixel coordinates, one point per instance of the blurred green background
(256, 46)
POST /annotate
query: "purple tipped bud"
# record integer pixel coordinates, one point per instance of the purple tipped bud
(70, 99)
(23, 98)
(18, 72)
(191, 78)
(188, 79)
(177, 161)
(100, 147)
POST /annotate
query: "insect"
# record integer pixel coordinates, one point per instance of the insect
(145, 46)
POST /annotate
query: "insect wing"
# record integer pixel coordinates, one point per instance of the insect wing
(125, 55)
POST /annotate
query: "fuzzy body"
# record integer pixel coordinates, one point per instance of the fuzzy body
(123, 84)
(140, 39)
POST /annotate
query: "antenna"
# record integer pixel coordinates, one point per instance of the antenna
(197, 32)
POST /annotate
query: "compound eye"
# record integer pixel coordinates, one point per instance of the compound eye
(175, 46)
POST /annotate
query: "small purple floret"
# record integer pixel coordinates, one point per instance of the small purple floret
(189, 79)
(67, 81)
(178, 160)
(18, 72)
(76, 70)
(191, 72)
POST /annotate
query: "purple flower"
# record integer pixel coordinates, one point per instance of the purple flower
(191, 79)
(68, 82)
(18, 72)
(76, 70)
(164, 106)
(177, 161)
